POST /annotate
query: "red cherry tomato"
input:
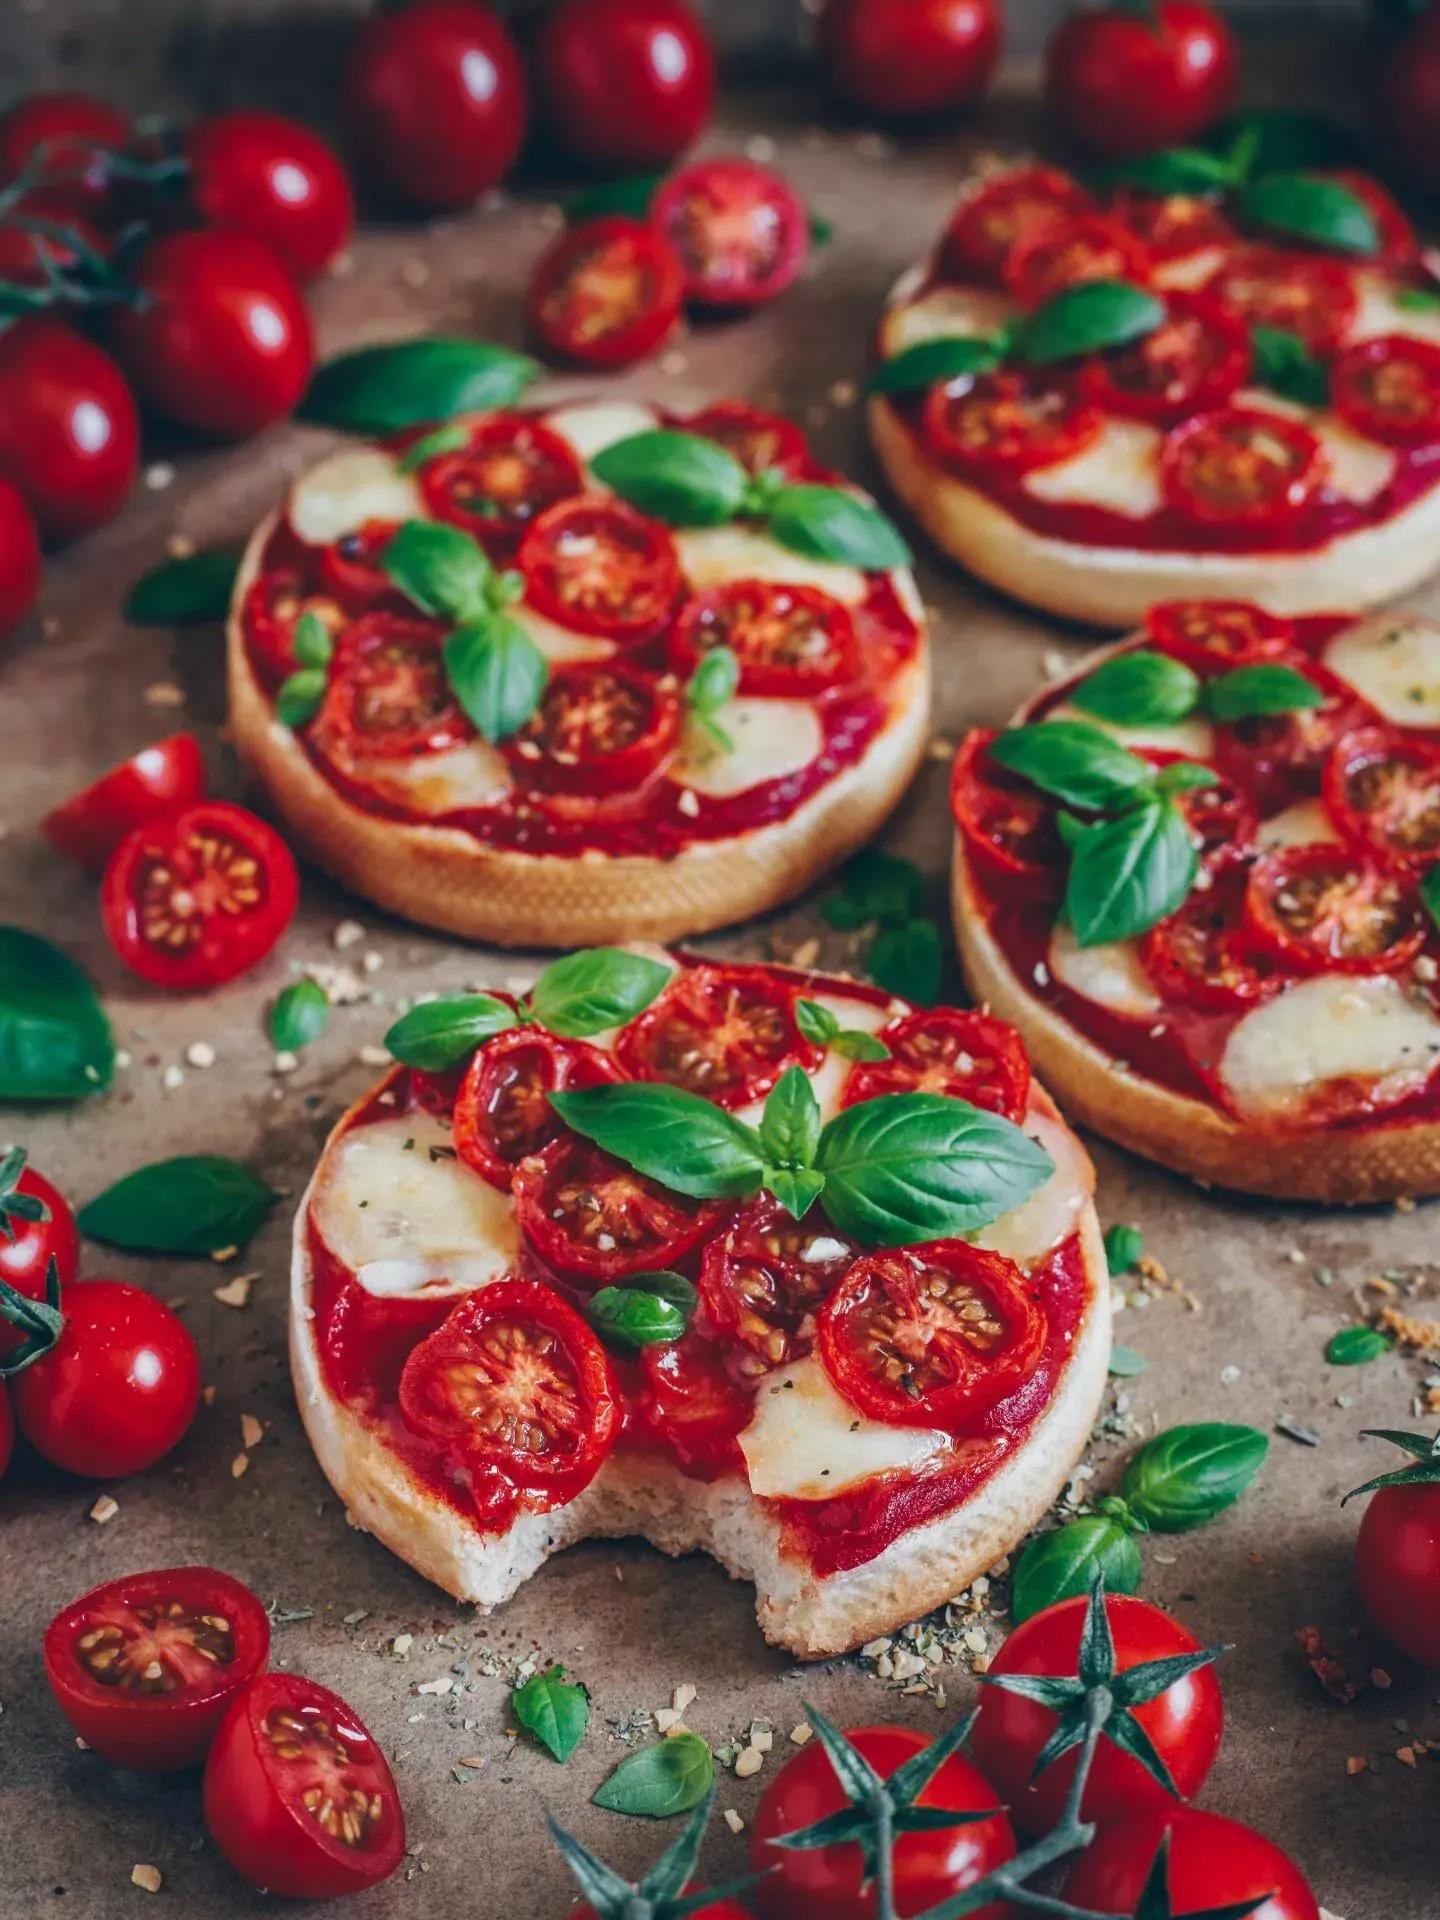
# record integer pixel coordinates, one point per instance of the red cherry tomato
(503, 1112)
(1006, 424)
(1194, 361)
(272, 611)
(597, 566)
(761, 442)
(1007, 825)
(1172, 225)
(69, 432)
(593, 1219)
(991, 222)
(597, 730)
(1204, 955)
(930, 1867)
(1407, 102)
(298, 1796)
(222, 341)
(388, 696)
(964, 1056)
(1069, 253)
(1214, 1863)
(19, 558)
(92, 823)
(763, 1280)
(1120, 82)
(69, 135)
(725, 1032)
(198, 896)
(1301, 293)
(508, 471)
(691, 1405)
(795, 642)
(350, 566)
(266, 175)
(145, 1667)
(1325, 909)
(1397, 1567)
(119, 1388)
(1389, 390)
(1240, 468)
(909, 59)
(1214, 636)
(741, 232)
(1184, 1722)
(28, 1246)
(626, 84)
(435, 101)
(1382, 790)
(606, 293)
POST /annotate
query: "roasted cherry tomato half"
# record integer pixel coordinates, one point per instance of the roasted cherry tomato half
(1092, 247)
(350, 566)
(1214, 636)
(92, 823)
(931, 1336)
(69, 431)
(763, 1280)
(1397, 1568)
(503, 1112)
(693, 1406)
(1301, 293)
(389, 696)
(741, 232)
(508, 470)
(145, 1667)
(28, 1246)
(1184, 1722)
(270, 177)
(607, 293)
(298, 1796)
(1193, 362)
(1383, 791)
(1221, 817)
(725, 1032)
(1327, 909)
(1214, 1864)
(19, 558)
(1239, 468)
(761, 442)
(68, 137)
(1006, 424)
(199, 895)
(597, 729)
(1007, 825)
(1389, 390)
(1204, 954)
(1005, 214)
(593, 1219)
(597, 566)
(1172, 225)
(791, 641)
(272, 610)
(945, 1050)
(1281, 757)
(626, 84)
(1121, 83)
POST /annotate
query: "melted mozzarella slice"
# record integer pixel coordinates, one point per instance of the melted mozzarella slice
(711, 556)
(943, 313)
(342, 493)
(474, 775)
(592, 426)
(1359, 468)
(1052, 1213)
(559, 644)
(805, 1442)
(409, 1219)
(1376, 313)
(1305, 824)
(769, 738)
(1393, 659)
(1193, 737)
(1327, 1029)
(1120, 469)
(1110, 974)
(1189, 271)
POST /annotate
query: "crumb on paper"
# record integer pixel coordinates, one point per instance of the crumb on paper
(236, 1292)
(240, 1466)
(104, 1510)
(251, 1431)
(148, 1878)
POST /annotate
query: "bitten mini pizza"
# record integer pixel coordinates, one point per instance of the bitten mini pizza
(1200, 876)
(734, 1257)
(550, 678)
(1232, 393)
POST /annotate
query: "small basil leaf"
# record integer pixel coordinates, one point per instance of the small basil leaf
(1124, 1247)
(1187, 1475)
(1128, 873)
(930, 362)
(1125, 1363)
(1184, 776)
(875, 886)
(1090, 318)
(601, 987)
(497, 672)
(1281, 361)
(908, 961)
(680, 478)
(1357, 1346)
(442, 570)
(195, 1204)
(1430, 893)
(817, 1023)
(790, 1123)
(55, 1041)
(1418, 299)
(183, 593)
(298, 700)
(644, 1310)
(829, 523)
(383, 389)
(1182, 170)
(1281, 139)
(796, 1188)
(554, 1709)
(1059, 1565)
(1308, 207)
(441, 1032)
(1268, 687)
(853, 1043)
(712, 685)
(669, 1135)
(632, 195)
(1139, 689)
(300, 1014)
(313, 643)
(431, 445)
(1072, 760)
(668, 1778)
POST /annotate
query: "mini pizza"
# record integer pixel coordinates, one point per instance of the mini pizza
(1200, 877)
(551, 678)
(1098, 406)
(736, 1258)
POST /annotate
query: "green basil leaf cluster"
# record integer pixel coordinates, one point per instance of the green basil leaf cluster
(647, 1309)
(554, 1709)
(1124, 1246)
(384, 389)
(669, 1778)
(1138, 687)
(821, 1028)
(55, 1041)
(194, 1204)
(184, 593)
(905, 955)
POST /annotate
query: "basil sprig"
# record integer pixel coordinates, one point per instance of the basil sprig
(55, 1040)
(1306, 206)
(383, 389)
(197, 1203)
(822, 1028)
(298, 700)
(1062, 1563)
(1141, 688)
(645, 1310)
(886, 894)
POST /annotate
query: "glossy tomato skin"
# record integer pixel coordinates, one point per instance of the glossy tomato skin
(1184, 1723)
(1214, 1862)
(1397, 1567)
(25, 1258)
(1121, 82)
(607, 293)
(90, 825)
(283, 1736)
(929, 1867)
(626, 84)
(69, 430)
(119, 1388)
(19, 557)
(268, 176)
(70, 127)
(909, 59)
(435, 101)
(208, 1635)
(223, 343)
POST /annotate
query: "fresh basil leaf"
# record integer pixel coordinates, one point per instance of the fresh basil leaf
(822, 231)
(497, 672)
(1184, 776)
(1430, 893)
(1418, 299)
(431, 445)
(875, 886)
(1357, 1346)
(1268, 687)
(853, 1043)
(1059, 1565)
(908, 961)
(907, 1167)
(1307, 207)
(1128, 873)
(712, 685)
(669, 1135)
(1281, 139)
(383, 389)
(313, 643)
(1090, 318)
(298, 700)
(600, 987)
(300, 1014)
(671, 1777)
(1184, 170)
(790, 1123)
(631, 195)
(441, 1032)
(830, 523)
(795, 1188)
(554, 1709)
(183, 593)
(1124, 1247)
(680, 478)
(643, 1311)
(197, 1204)
(1125, 1363)
(1281, 361)
(1072, 760)
(929, 363)
(1139, 689)
(817, 1023)
(442, 570)
(1187, 1475)
(55, 1041)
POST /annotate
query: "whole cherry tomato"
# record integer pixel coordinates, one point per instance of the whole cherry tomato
(266, 175)
(222, 342)
(625, 83)
(63, 135)
(910, 59)
(69, 430)
(1214, 1863)
(19, 557)
(91, 824)
(28, 1245)
(119, 1387)
(1124, 80)
(435, 101)
(65, 233)
(1397, 1558)
(1407, 101)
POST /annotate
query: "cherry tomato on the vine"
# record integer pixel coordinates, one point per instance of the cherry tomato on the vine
(1122, 81)
(1214, 1863)
(69, 431)
(67, 135)
(626, 84)
(268, 176)
(65, 234)
(1397, 1567)
(19, 557)
(909, 59)
(90, 825)
(27, 1246)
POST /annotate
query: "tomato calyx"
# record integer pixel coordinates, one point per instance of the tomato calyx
(15, 1205)
(1155, 1900)
(664, 1892)
(39, 1322)
(1423, 1471)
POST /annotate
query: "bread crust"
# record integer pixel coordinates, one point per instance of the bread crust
(446, 878)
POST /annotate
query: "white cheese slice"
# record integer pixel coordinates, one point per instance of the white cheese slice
(769, 738)
(710, 556)
(560, 644)
(942, 313)
(1376, 313)
(1193, 737)
(473, 775)
(1188, 272)
(1052, 1213)
(1110, 974)
(346, 490)
(1329, 1028)
(1305, 824)
(409, 1219)
(1393, 660)
(1358, 468)
(806, 1442)
(591, 426)
(1120, 469)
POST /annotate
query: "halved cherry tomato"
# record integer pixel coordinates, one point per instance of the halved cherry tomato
(145, 1667)
(1067, 254)
(1007, 826)
(930, 1336)
(761, 442)
(503, 1111)
(963, 1055)
(1006, 213)
(1204, 954)
(741, 232)
(1212, 636)
(272, 611)
(199, 895)
(1389, 390)
(693, 1406)
(1383, 792)
(1301, 293)
(509, 470)
(597, 729)
(726, 1032)
(792, 641)
(350, 566)
(389, 695)
(1194, 361)
(1213, 1865)
(298, 1796)
(1006, 424)
(593, 1219)
(1172, 225)
(91, 824)
(607, 293)
(1326, 909)
(1281, 757)
(1221, 817)
(598, 566)
(762, 1282)
(28, 1246)
(1240, 468)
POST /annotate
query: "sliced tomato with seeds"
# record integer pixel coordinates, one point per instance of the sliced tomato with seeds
(794, 642)
(389, 696)
(1071, 252)
(1240, 468)
(693, 1406)
(92, 823)
(1193, 362)
(1214, 636)
(598, 566)
(503, 1112)
(1221, 817)
(592, 1219)
(1389, 390)
(510, 469)
(1006, 424)
(948, 1050)
(1010, 211)
(597, 730)
(607, 293)
(724, 1032)
(350, 566)
(1330, 909)
(742, 233)
(198, 895)
(1204, 955)
(1382, 790)
(1007, 825)
(145, 1667)
(273, 609)
(930, 1336)
(763, 1281)
(761, 442)
(1171, 225)
(298, 1796)
(1301, 293)
(1281, 757)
